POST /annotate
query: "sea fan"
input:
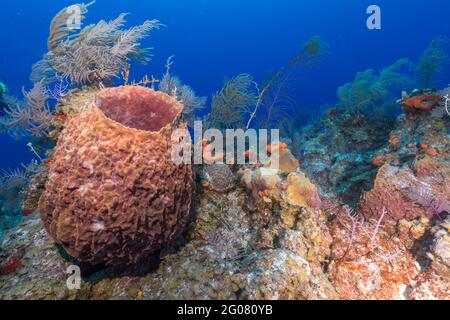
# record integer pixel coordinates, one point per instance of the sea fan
(60, 88)
(422, 194)
(359, 232)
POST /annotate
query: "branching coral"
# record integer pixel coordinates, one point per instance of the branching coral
(370, 90)
(431, 63)
(60, 29)
(241, 101)
(97, 53)
(142, 196)
(277, 108)
(313, 49)
(60, 88)
(233, 103)
(363, 237)
(423, 194)
(173, 86)
(32, 116)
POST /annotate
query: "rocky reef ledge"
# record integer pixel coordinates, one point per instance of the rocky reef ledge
(282, 242)
(258, 233)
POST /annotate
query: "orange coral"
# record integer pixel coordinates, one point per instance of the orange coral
(205, 184)
(426, 103)
(301, 192)
(279, 146)
(432, 152)
(248, 154)
(378, 161)
(394, 140)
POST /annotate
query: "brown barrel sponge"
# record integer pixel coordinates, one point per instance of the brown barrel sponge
(114, 195)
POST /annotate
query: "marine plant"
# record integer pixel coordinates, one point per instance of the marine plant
(232, 103)
(242, 102)
(278, 104)
(96, 54)
(364, 238)
(371, 90)
(432, 61)
(32, 116)
(13, 182)
(173, 86)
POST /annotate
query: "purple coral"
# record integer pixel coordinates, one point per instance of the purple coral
(422, 194)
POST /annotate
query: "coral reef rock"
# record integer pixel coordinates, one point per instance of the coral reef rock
(409, 193)
(291, 245)
(220, 177)
(114, 194)
(230, 254)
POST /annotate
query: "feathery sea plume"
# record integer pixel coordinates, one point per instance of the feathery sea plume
(32, 116)
(60, 28)
(370, 90)
(233, 103)
(432, 61)
(368, 234)
(278, 107)
(242, 101)
(173, 86)
(97, 53)
(422, 194)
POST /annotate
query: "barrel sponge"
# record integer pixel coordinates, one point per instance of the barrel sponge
(114, 195)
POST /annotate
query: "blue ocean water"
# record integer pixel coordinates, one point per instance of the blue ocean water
(212, 39)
